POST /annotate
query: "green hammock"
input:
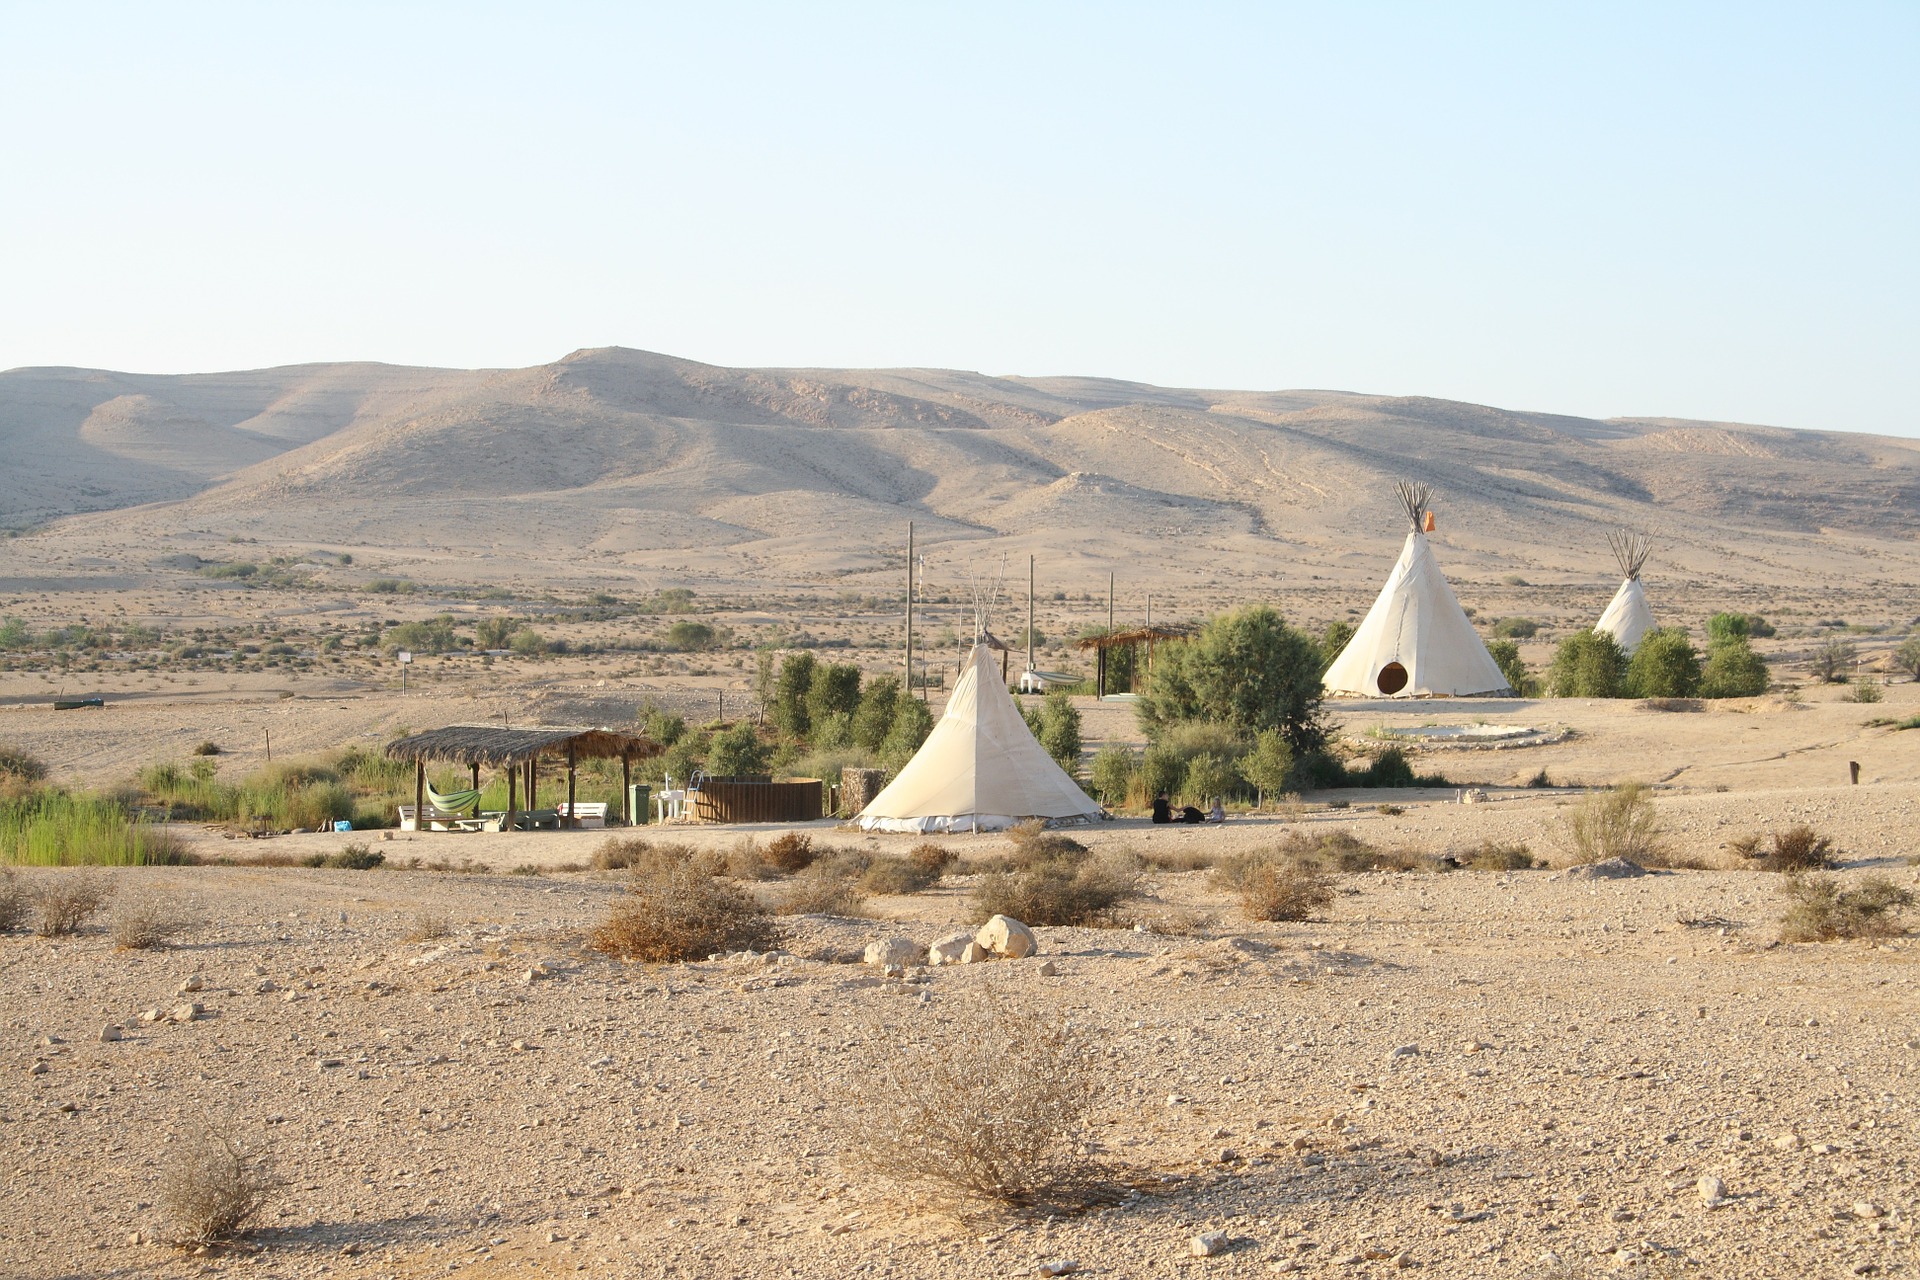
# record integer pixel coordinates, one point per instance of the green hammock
(452, 801)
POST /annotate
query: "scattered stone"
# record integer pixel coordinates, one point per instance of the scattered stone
(1007, 938)
(974, 953)
(1227, 1155)
(1611, 869)
(266, 985)
(519, 1046)
(949, 949)
(37, 1069)
(1402, 1260)
(109, 1033)
(1048, 969)
(1474, 1046)
(1406, 1051)
(1867, 1209)
(325, 1064)
(185, 1012)
(1789, 1142)
(191, 985)
(892, 953)
(1712, 1191)
(1058, 1267)
(1207, 1244)
(150, 1015)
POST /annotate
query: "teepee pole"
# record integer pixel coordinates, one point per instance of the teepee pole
(1029, 613)
(909, 608)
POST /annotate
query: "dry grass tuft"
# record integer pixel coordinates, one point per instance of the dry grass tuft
(946, 1112)
(1618, 823)
(897, 876)
(147, 922)
(213, 1189)
(1180, 859)
(15, 901)
(789, 852)
(428, 926)
(677, 911)
(1275, 886)
(831, 886)
(1798, 848)
(931, 857)
(67, 900)
(1058, 888)
(1820, 910)
(1491, 855)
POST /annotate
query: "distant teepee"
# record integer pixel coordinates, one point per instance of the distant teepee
(1628, 616)
(1416, 641)
(981, 769)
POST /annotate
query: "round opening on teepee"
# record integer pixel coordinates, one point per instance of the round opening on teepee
(1392, 678)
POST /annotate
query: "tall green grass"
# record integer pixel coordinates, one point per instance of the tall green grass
(52, 828)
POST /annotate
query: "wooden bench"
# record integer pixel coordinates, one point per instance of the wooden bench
(586, 813)
(437, 820)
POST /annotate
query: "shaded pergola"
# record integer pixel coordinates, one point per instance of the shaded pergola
(1149, 636)
(519, 752)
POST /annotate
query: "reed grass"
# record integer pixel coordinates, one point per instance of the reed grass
(53, 828)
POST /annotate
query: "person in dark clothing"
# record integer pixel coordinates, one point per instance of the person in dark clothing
(1191, 815)
(1162, 814)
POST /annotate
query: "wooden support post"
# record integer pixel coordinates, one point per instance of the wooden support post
(473, 771)
(419, 795)
(572, 820)
(513, 803)
(533, 782)
(1100, 672)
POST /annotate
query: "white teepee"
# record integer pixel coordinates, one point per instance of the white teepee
(1628, 616)
(1416, 641)
(980, 769)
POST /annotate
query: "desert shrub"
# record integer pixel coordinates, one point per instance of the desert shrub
(1390, 768)
(1062, 887)
(1112, 773)
(898, 876)
(1059, 731)
(1285, 891)
(1514, 628)
(1906, 657)
(738, 751)
(1617, 823)
(1820, 910)
(15, 901)
(1722, 627)
(1672, 704)
(1798, 848)
(675, 911)
(1733, 670)
(789, 852)
(1866, 690)
(21, 766)
(1208, 776)
(1664, 665)
(1033, 842)
(66, 902)
(943, 1109)
(427, 926)
(352, 857)
(1267, 765)
(1492, 855)
(912, 722)
(207, 749)
(1540, 781)
(617, 853)
(1506, 656)
(1162, 769)
(1588, 664)
(146, 921)
(212, 1189)
(829, 887)
(1244, 671)
(931, 857)
(1834, 660)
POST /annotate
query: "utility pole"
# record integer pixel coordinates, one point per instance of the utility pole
(1029, 613)
(909, 608)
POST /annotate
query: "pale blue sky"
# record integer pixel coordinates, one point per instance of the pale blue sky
(1695, 210)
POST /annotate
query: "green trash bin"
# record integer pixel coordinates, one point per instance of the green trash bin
(639, 802)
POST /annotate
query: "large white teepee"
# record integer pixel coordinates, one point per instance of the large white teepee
(980, 769)
(1628, 616)
(1416, 641)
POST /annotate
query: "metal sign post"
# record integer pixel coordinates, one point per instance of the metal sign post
(406, 660)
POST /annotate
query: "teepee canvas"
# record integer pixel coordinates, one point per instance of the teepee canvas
(980, 769)
(1416, 641)
(1628, 616)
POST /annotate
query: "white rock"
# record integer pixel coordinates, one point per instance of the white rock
(1058, 1267)
(109, 1033)
(1406, 1051)
(151, 1015)
(948, 950)
(1208, 1243)
(1789, 1142)
(974, 953)
(1712, 1190)
(1049, 969)
(185, 1012)
(892, 953)
(37, 1069)
(1007, 938)
(1867, 1209)
(191, 985)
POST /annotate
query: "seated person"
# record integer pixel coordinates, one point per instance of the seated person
(1218, 813)
(1161, 814)
(1191, 815)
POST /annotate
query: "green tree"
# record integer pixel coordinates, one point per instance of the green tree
(831, 731)
(495, 633)
(833, 690)
(1112, 773)
(1247, 670)
(1123, 661)
(1506, 656)
(1665, 665)
(873, 718)
(1163, 769)
(1208, 776)
(912, 722)
(1588, 664)
(1333, 640)
(1268, 765)
(690, 637)
(1733, 670)
(765, 676)
(680, 759)
(1834, 660)
(1737, 626)
(1060, 729)
(1907, 657)
(434, 635)
(528, 643)
(790, 695)
(661, 725)
(737, 750)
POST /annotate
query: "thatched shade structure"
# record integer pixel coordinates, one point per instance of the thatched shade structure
(518, 752)
(1148, 636)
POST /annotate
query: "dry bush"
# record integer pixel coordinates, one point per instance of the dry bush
(212, 1189)
(618, 853)
(676, 911)
(1617, 823)
(21, 766)
(1285, 891)
(1291, 807)
(1798, 848)
(931, 857)
(1820, 910)
(945, 1111)
(630, 853)
(146, 922)
(66, 901)
(1672, 704)
(1494, 856)
(1180, 859)
(14, 901)
(1033, 843)
(828, 887)
(1065, 888)
(789, 852)
(427, 926)
(898, 876)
